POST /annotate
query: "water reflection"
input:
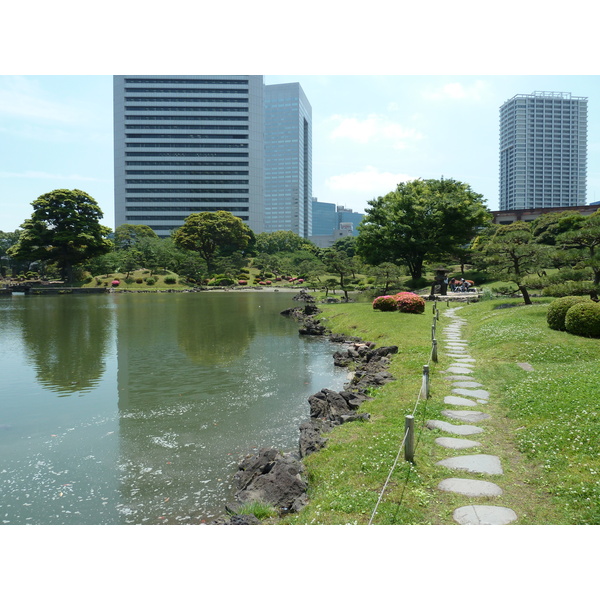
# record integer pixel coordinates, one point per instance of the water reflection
(66, 339)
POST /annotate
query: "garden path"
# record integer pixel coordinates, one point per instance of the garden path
(466, 395)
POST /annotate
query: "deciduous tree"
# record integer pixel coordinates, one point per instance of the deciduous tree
(420, 220)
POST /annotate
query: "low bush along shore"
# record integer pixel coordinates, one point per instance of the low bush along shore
(545, 421)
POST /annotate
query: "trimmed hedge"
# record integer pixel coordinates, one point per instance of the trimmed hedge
(584, 319)
(557, 310)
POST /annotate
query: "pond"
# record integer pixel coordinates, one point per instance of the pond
(137, 408)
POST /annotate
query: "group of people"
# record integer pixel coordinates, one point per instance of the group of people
(459, 285)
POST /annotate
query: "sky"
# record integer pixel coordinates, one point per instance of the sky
(370, 133)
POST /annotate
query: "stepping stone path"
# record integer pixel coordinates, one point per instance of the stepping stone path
(466, 394)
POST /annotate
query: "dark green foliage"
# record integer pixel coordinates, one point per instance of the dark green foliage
(420, 220)
(584, 319)
(571, 288)
(65, 229)
(557, 311)
(170, 280)
(150, 281)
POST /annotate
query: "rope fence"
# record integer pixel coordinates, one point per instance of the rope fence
(408, 443)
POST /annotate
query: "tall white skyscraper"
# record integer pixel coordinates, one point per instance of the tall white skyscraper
(288, 159)
(543, 151)
(187, 144)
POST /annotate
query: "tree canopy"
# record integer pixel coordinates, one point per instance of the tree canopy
(64, 228)
(128, 235)
(209, 233)
(420, 220)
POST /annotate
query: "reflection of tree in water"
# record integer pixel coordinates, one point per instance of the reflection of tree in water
(67, 338)
(207, 336)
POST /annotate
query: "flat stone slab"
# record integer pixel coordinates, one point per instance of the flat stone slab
(452, 428)
(484, 515)
(470, 487)
(459, 378)
(457, 401)
(458, 355)
(474, 463)
(465, 384)
(456, 443)
(465, 359)
(525, 366)
(457, 370)
(482, 394)
(461, 365)
(468, 416)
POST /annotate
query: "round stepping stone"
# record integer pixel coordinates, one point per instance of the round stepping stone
(456, 443)
(470, 487)
(484, 515)
(468, 416)
(459, 378)
(465, 384)
(452, 428)
(456, 401)
(459, 370)
(482, 394)
(474, 463)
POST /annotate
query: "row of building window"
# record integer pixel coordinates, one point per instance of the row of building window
(185, 208)
(187, 163)
(188, 136)
(184, 118)
(195, 172)
(197, 154)
(167, 145)
(205, 100)
(184, 191)
(185, 81)
(192, 199)
(166, 218)
(193, 90)
(188, 108)
(188, 181)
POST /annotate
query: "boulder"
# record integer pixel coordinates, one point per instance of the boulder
(311, 436)
(271, 477)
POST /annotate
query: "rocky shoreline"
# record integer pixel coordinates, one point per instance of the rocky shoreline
(274, 477)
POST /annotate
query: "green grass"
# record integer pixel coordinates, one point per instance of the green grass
(544, 422)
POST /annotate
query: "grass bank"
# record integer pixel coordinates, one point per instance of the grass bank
(544, 425)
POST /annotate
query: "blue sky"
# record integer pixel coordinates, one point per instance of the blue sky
(369, 133)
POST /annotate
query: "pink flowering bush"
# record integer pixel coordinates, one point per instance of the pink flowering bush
(407, 302)
(385, 303)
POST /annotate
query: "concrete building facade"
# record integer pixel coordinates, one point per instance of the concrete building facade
(543, 151)
(185, 144)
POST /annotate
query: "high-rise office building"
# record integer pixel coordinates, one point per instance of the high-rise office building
(543, 151)
(187, 144)
(288, 159)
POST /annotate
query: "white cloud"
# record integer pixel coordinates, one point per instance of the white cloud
(457, 91)
(370, 182)
(373, 128)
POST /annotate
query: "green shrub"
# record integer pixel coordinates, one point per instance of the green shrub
(129, 280)
(223, 281)
(139, 280)
(584, 319)
(150, 281)
(170, 280)
(570, 288)
(557, 311)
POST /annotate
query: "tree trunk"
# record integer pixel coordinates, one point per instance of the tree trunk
(525, 293)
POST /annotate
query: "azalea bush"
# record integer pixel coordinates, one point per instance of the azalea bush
(407, 302)
(385, 303)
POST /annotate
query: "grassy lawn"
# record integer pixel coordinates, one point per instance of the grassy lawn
(544, 424)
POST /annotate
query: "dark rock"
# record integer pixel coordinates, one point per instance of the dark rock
(271, 477)
(312, 327)
(355, 417)
(244, 520)
(303, 296)
(311, 436)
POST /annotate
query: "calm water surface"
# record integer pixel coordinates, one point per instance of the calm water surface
(137, 408)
